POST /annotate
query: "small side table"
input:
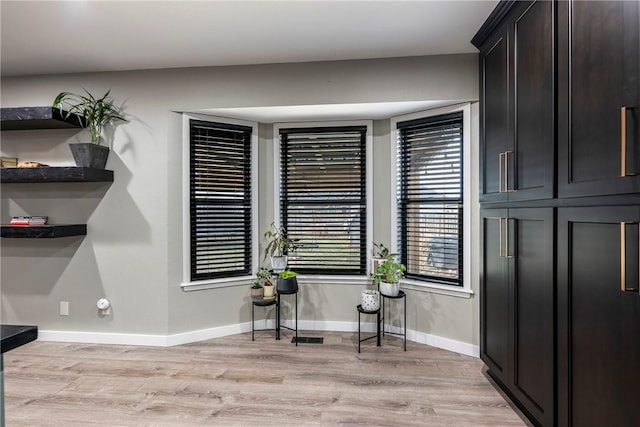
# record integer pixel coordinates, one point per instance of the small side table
(261, 302)
(362, 311)
(403, 296)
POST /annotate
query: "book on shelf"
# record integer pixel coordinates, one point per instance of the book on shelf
(29, 220)
(9, 162)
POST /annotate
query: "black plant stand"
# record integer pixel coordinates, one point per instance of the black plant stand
(261, 302)
(377, 335)
(294, 292)
(403, 296)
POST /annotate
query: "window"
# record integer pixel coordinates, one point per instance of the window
(323, 198)
(430, 198)
(220, 200)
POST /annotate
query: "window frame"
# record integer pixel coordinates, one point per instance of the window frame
(188, 284)
(417, 284)
(323, 278)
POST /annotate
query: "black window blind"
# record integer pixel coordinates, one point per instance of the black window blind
(220, 200)
(430, 198)
(323, 198)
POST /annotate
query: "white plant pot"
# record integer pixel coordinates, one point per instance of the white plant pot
(370, 300)
(279, 263)
(269, 291)
(389, 289)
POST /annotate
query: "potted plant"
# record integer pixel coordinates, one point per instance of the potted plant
(269, 290)
(388, 273)
(278, 247)
(380, 251)
(94, 113)
(262, 276)
(287, 281)
(370, 300)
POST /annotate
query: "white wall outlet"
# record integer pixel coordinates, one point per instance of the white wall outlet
(64, 308)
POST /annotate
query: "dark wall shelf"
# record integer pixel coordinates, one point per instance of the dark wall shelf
(28, 118)
(14, 336)
(43, 231)
(55, 174)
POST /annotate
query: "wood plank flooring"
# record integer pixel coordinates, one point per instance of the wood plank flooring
(233, 381)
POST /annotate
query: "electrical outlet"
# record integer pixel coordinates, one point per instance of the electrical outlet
(64, 308)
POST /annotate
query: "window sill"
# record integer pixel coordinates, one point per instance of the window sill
(218, 283)
(413, 285)
(436, 288)
(333, 280)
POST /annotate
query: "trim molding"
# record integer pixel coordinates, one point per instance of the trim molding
(223, 331)
(492, 22)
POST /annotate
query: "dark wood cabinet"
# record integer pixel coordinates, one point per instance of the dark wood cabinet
(517, 115)
(495, 139)
(517, 305)
(560, 132)
(598, 98)
(598, 316)
(494, 295)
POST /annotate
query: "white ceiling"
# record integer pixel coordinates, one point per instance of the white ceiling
(52, 37)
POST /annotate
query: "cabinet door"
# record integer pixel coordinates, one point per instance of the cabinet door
(598, 100)
(531, 265)
(598, 322)
(494, 294)
(494, 122)
(529, 161)
(517, 149)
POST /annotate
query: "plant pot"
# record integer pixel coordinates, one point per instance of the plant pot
(389, 289)
(88, 155)
(269, 292)
(279, 263)
(257, 292)
(287, 285)
(370, 300)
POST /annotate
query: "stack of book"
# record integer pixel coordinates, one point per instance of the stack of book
(29, 220)
(8, 162)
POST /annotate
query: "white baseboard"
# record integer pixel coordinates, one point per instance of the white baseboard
(143, 339)
(103, 338)
(222, 331)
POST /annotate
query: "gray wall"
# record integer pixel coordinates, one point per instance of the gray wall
(133, 251)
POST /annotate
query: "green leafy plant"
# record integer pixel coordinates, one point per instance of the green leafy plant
(278, 243)
(287, 274)
(94, 112)
(263, 276)
(389, 270)
(381, 250)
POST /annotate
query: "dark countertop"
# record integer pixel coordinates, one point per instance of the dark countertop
(14, 336)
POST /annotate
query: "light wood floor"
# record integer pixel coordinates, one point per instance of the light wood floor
(234, 381)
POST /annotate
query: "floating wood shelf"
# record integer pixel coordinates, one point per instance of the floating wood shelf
(28, 118)
(55, 174)
(43, 231)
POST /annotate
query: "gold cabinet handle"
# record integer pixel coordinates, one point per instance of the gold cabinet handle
(506, 231)
(623, 260)
(500, 238)
(506, 171)
(623, 141)
(500, 164)
(623, 257)
(503, 250)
